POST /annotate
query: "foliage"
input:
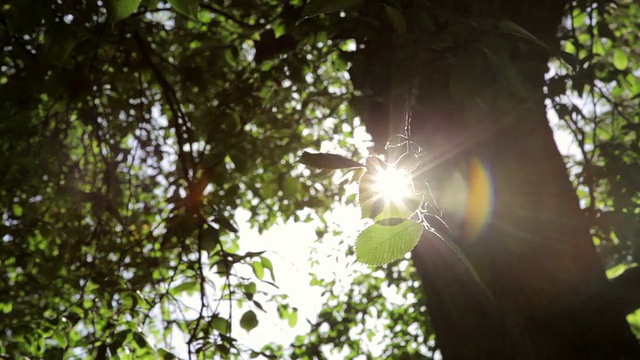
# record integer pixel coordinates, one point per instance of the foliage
(599, 107)
(596, 69)
(131, 135)
(133, 132)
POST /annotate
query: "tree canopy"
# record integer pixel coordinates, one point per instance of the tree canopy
(134, 130)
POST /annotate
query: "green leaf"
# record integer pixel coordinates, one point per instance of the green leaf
(6, 308)
(619, 269)
(288, 313)
(292, 319)
(379, 244)
(397, 19)
(317, 7)
(61, 338)
(250, 290)
(17, 210)
(620, 60)
(220, 324)
(258, 269)
(188, 286)
(266, 263)
(121, 9)
(186, 7)
(290, 187)
(634, 322)
(249, 320)
(328, 161)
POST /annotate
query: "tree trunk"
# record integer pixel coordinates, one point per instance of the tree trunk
(536, 257)
(550, 296)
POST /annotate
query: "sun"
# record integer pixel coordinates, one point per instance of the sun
(393, 184)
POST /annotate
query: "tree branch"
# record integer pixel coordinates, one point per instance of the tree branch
(626, 288)
(172, 102)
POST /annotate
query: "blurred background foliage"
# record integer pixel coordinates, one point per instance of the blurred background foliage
(130, 137)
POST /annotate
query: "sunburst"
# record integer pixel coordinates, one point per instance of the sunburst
(393, 184)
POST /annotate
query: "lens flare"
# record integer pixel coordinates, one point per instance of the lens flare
(479, 202)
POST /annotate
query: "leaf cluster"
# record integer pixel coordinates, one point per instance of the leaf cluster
(131, 135)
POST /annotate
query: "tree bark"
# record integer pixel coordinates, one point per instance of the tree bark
(552, 298)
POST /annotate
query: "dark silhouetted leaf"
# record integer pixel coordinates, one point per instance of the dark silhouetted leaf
(210, 238)
(121, 9)
(515, 29)
(328, 161)
(186, 7)
(225, 223)
(249, 320)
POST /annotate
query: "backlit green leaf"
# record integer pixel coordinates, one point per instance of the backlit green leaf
(620, 60)
(258, 269)
(266, 263)
(379, 244)
(6, 308)
(293, 317)
(188, 286)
